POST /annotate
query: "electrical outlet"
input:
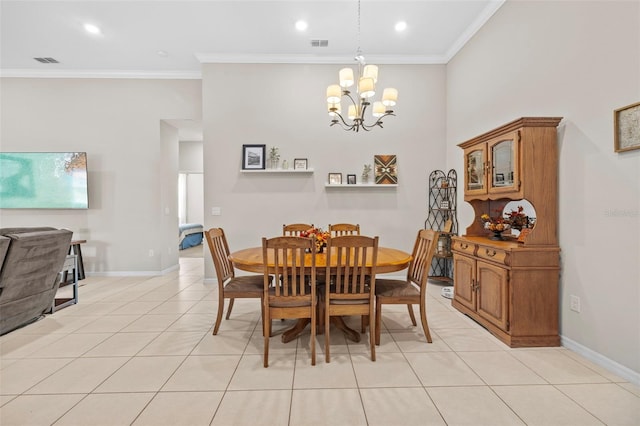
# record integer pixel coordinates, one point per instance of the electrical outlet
(575, 303)
(151, 253)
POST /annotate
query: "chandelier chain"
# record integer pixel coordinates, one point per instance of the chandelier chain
(359, 52)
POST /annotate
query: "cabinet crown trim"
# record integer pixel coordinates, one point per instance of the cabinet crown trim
(513, 126)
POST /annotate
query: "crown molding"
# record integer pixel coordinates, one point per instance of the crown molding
(165, 75)
(475, 26)
(225, 58)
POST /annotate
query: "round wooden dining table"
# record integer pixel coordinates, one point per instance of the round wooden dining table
(389, 260)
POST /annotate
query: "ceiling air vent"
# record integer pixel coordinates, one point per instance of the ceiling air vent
(319, 43)
(47, 60)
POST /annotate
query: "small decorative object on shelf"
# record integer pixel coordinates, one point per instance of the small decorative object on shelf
(351, 179)
(285, 165)
(319, 236)
(386, 169)
(497, 225)
(335, 178)
(253, 157)
(300, 164)
(366, 171)
(515, 219)
(274, 157)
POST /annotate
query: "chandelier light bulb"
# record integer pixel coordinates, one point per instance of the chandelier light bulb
(378, 109)
(352, 113)
(366, 87)
(333, 94)
(371, 71)
(334, 109)
(346, 77)
(389, 96)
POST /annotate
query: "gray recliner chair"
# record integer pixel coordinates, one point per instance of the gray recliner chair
(31, 260)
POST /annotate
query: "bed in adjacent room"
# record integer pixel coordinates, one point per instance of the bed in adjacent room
(190, 235)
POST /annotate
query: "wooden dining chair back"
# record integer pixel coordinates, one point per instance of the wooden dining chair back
(340, 229)
(413, 290)
(352, 266)
(293, 295)
(229, 286)
(294, 229)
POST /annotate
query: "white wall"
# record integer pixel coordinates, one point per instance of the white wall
(117, 122)
(191, 163)
(168, 234)
(579, 60)
(285, 106)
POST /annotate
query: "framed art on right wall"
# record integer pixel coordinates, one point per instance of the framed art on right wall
(626, 128)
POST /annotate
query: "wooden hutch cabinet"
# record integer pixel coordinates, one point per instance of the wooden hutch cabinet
(511, 287)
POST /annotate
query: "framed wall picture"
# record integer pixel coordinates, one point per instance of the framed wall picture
(253, 157)
(626, 128)
(351, 179)
(300, 164)
(386, 169)
(335, 178)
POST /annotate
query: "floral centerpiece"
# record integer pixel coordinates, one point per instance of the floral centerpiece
(515, 219)
(318, 235)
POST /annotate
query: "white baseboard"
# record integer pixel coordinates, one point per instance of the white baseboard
(601, 360)
(132, 273)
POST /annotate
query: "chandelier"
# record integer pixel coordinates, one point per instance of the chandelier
(359, 101)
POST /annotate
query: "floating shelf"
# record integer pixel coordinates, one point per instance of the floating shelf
(277, 171)
(359, 185)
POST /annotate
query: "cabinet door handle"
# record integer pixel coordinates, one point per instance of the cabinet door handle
(473, 285)
(490, 253)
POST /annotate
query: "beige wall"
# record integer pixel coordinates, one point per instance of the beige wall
(118, 124)
(284, 106)
(578, 60)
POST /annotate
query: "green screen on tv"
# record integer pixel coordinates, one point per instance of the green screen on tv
(43, 180)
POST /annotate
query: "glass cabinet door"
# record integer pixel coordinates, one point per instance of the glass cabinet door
(475, 178)
(504, 167)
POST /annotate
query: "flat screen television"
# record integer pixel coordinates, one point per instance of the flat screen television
(43, 180)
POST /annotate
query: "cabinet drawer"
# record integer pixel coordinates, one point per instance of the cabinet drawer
(464, 247)
(493, 254)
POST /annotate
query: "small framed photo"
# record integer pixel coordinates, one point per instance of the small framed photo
(500, 177)
(626, 128)
(253, 157)
(300, 164)
(351, 179)
(335, 178)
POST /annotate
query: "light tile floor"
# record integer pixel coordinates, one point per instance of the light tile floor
(139, 351)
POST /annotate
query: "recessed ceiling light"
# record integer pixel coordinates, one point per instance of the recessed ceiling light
(401, 26)
(162, 53)
(301, 25)
(92, 29)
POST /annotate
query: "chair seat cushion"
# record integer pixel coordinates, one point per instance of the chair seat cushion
(395, 288)
(290, 301)
(246, 283)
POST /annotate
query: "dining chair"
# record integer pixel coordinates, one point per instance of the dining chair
(229, 286)
(294, 229)
(353, 291)
(413, 290)
(292, 296)
(339, 229)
